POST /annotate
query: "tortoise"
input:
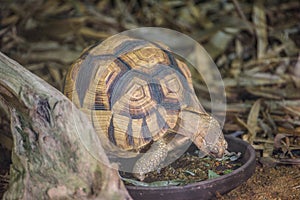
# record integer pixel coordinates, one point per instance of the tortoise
(140, 98)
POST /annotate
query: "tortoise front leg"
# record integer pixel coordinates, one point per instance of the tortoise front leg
(151, 160)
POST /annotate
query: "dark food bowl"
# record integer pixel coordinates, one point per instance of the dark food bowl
(205, 189)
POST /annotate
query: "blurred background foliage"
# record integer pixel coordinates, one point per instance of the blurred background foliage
(255, 45)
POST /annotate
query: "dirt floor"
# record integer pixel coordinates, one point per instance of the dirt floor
(280, 182)
(255, 45)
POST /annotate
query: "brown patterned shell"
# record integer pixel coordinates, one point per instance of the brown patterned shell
(132, 90)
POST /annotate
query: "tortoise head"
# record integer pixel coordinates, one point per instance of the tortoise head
(212, 137)
(204, 131)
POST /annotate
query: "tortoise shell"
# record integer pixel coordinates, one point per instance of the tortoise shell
(132, 90)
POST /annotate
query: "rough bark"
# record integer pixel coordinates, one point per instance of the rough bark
(49, 160)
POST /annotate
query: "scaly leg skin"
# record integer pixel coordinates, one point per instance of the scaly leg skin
(151, 160)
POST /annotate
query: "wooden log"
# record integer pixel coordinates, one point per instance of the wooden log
(49, 160)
